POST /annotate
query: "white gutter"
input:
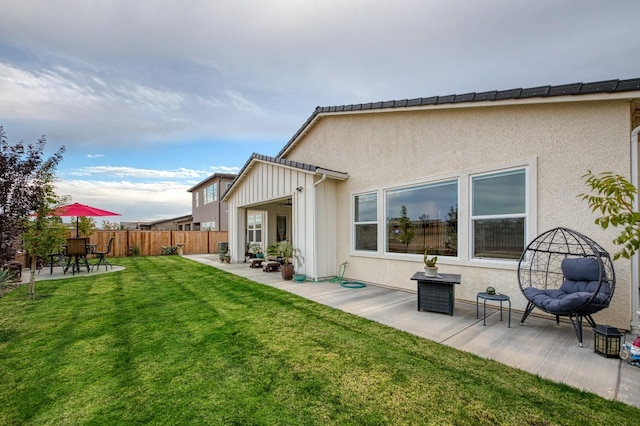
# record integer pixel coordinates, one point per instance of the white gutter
(635, 273)
(315, 226)
(324, 177)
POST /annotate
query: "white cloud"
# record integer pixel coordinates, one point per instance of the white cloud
(123, 172)
(134, 201)
(118, 78)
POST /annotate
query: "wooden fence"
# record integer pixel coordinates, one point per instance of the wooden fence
(149, 243)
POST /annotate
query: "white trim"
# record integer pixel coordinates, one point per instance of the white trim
(525, 215)
(464, 214)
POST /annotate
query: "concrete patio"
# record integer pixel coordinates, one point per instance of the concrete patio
(540, 346)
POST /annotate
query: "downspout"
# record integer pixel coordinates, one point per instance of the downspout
(635, 273)
(315, 226)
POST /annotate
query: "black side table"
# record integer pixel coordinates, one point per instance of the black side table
(496, 297)
(436, 294)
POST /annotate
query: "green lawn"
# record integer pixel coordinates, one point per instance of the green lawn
(171, 341)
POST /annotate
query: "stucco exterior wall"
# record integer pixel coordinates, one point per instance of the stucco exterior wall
(558, 143)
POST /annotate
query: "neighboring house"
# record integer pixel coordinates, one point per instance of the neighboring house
(472, 177)
(181, 223)
(208, 210)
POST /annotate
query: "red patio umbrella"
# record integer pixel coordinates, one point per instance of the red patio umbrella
(77, 210)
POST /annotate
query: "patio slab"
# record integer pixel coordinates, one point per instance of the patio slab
(540, 346)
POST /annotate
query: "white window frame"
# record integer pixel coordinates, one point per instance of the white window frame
(527, 215)
(251, 228)
(370, 222)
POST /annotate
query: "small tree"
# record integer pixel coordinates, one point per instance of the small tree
(41, 236)
(113, 226)
(85, 225)
(614, 198)
(407, 232)
(25, 184)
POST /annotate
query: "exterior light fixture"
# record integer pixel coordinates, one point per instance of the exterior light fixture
(607, 341)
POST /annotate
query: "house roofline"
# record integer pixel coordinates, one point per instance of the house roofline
(305, 167)
(601, 90)
(212, 177)
(173, 219)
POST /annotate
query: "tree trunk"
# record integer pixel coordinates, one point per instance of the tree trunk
(32, 277)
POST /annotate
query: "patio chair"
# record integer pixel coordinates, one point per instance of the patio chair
(565, 273)
(102, 256)
(76, 251)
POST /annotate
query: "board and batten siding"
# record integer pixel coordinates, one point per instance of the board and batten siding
(262, 187)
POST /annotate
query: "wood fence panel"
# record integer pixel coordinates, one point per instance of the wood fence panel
(215, 238)
(150, 243)
(195, 242)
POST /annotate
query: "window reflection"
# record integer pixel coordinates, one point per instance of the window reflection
(423, 218)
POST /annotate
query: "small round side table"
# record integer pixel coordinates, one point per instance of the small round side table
(495, 297)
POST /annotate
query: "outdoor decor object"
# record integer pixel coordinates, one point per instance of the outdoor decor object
(436, 294)
(78, 210)
(494, 297)
(631, 352)
(607, 341)
(565, 273)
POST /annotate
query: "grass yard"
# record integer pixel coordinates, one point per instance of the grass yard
(171, 341)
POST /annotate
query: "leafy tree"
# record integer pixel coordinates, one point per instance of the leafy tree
(407, 232)
(113, 226)
(85, 225)
(43, 235)
(614, 197)
(25, 186)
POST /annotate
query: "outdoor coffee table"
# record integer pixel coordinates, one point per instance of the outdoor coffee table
(436, 294)
(256, 263)
(496, 297)
(271, 267)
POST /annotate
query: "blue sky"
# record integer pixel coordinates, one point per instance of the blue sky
(150, 97)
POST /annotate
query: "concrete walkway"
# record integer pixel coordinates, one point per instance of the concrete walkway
(540, 346)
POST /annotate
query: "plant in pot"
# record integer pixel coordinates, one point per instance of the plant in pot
(430, 268)
(288, 253)
(256, 250)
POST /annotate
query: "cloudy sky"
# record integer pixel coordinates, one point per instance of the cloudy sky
(150, 97)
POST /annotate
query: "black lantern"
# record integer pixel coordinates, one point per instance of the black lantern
(607, 341)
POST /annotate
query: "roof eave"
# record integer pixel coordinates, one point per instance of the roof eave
(574, 92)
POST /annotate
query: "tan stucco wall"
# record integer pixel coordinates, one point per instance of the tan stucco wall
(558, 141)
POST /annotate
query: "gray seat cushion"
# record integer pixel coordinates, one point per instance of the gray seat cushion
(581, 281)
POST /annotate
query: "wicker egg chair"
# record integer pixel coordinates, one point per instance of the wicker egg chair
(565, 273)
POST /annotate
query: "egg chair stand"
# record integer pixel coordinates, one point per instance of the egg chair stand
(565, 273)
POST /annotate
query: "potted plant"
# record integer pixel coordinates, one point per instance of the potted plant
(430, 268)
(256, 250)
(287, 253)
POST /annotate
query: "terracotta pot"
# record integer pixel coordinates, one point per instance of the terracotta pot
(287, 271)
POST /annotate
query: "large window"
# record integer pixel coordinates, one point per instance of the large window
(366, 222)
(208, 226)
(423, 217)
(498, 214)
(211, 193)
